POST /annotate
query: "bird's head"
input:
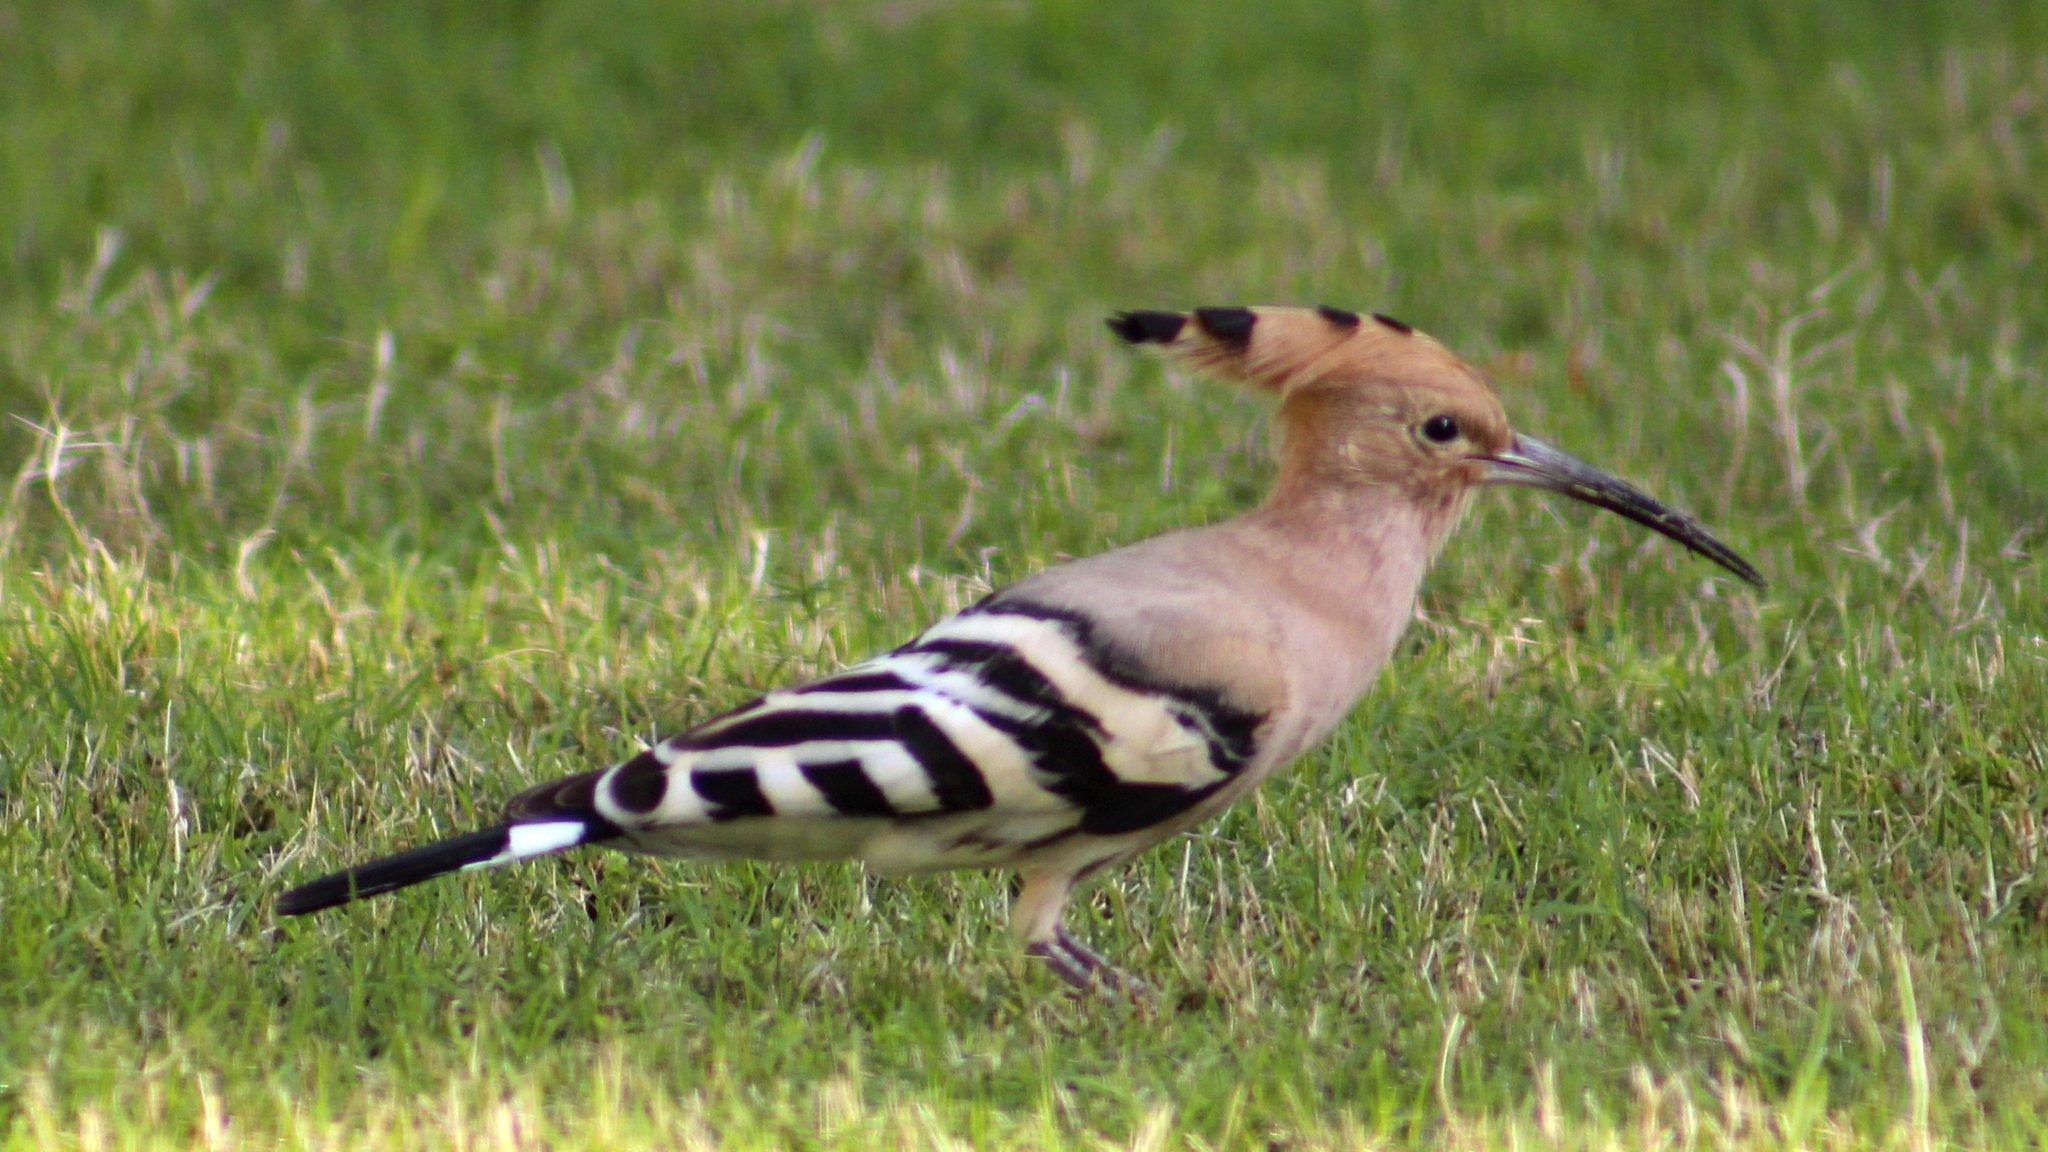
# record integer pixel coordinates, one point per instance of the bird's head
(1366, 402)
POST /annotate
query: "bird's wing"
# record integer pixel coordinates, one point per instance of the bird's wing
(1007, 723)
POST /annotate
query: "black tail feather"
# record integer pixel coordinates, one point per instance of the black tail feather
(395, 872)
(540, 821)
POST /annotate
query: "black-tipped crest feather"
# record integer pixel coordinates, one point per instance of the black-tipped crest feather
(1231, 326)
(1144, 327)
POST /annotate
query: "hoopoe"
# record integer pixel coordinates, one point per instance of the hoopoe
(1066, 723)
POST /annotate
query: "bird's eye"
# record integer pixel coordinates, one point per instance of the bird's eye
(1440, 429)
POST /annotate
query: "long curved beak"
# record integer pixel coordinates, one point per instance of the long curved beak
(1534, 464)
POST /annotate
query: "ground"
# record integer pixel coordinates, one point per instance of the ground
(404, 403)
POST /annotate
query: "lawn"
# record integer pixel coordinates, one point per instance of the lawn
(401, 403)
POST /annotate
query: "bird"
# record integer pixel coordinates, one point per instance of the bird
(1065, 723)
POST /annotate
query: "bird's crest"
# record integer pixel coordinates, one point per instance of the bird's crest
(1282, 350)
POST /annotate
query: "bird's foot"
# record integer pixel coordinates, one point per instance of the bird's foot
(1081, 967)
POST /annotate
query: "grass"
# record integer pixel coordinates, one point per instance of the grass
(407, 402)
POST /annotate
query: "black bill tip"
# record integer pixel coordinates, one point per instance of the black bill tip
(1534, 464)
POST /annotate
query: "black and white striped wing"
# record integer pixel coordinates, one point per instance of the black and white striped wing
(1000, 731)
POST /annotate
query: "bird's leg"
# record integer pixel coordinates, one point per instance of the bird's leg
(1097, 973)
(1035, 918)
(1063, 965)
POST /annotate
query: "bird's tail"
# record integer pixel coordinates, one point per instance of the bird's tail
(486, 849)
(554, 817)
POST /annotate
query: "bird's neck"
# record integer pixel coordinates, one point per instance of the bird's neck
(1347, 563)
(1361, 526)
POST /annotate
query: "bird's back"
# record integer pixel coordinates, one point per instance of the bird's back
(1115, 698)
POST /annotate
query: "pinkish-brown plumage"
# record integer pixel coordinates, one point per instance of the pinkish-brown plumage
(1074, 719)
